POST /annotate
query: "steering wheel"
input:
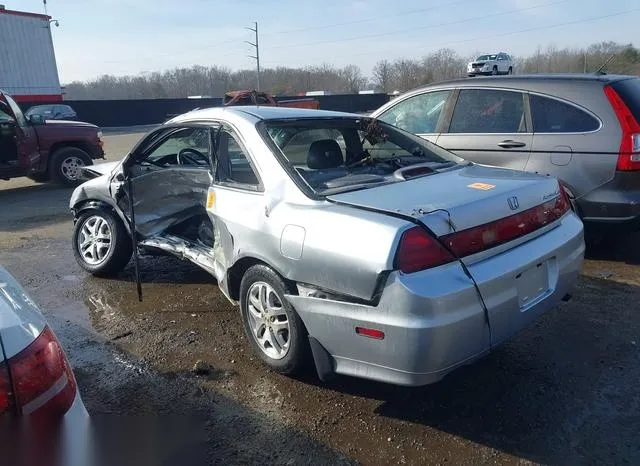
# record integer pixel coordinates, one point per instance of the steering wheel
(196, 158)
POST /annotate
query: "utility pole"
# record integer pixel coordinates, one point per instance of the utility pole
(256, 57)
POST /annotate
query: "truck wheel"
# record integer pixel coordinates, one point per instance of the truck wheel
(101, 244)
(65, 165)
(274, 329)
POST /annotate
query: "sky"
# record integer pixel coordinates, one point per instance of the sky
(132, 37)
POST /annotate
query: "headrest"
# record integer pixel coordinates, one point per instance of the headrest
(324, 153)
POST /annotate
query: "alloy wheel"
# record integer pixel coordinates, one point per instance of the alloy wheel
(94, 240)
(70, 167)
(268, 320)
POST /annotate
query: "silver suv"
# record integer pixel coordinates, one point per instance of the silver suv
(493, 63)
(582, 129)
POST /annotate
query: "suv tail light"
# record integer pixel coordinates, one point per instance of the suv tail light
(629, 157)
(43, 382)
(419, 251)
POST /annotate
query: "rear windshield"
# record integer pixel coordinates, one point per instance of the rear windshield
(629, 90)
(343, 154)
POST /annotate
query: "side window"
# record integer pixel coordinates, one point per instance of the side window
(488, 111)
(4, 115)
(418, 114)
(234, 164)
(185, 146)
(553, 116)
(15, 109)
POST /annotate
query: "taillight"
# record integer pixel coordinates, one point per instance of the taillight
(629, 156)
(419, 251)
(6, 398)
(43, 382)
(466, 242)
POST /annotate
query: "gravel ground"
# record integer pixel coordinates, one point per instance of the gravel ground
(561, 392)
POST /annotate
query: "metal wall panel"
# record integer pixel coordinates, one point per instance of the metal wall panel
(27, 60)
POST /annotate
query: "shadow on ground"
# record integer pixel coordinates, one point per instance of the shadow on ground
(142, 417)
(620, 247)
(562, 392)
(33, 206)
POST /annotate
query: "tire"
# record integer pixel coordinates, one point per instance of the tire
(65, 163)
(257, 324)
(510, 70)
(119, 247)
(494, 71)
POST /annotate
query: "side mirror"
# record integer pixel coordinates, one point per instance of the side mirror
(36, 120)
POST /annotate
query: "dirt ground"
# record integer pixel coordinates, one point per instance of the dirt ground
(562, 392)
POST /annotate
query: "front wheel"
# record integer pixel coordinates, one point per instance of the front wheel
(101, 244)
(274, 329)
(66, 164)
(510, 71)
(494, 72)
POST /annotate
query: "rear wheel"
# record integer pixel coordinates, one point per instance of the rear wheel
(101, 244)
(274, 329)
(66, 163)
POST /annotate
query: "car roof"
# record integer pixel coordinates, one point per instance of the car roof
(520, 79)
(254, 112)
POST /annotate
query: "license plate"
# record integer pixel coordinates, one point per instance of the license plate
(532, 283)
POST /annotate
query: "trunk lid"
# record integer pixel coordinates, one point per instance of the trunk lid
(473, 195)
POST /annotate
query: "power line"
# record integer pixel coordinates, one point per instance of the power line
(432, 26)
(367, 20)
(521, 31)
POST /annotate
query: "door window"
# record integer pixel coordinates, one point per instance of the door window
(488, 111)
(235, 166)
(15, 109)
(418, 114)
(184, 147)
(554, 116)
(4, 115)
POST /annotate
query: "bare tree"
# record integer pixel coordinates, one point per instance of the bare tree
(383, 75)
(403, 74)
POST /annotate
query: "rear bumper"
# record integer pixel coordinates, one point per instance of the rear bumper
(433, 320)
(615, 205)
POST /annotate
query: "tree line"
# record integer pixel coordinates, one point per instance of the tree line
(387, 76)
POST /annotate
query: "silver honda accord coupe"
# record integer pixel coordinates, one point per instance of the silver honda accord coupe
(345, 241)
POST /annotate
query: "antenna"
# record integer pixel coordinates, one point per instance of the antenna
(44, 2)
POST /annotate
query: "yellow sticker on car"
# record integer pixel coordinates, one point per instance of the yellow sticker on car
(482, 186)
(211, 199)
